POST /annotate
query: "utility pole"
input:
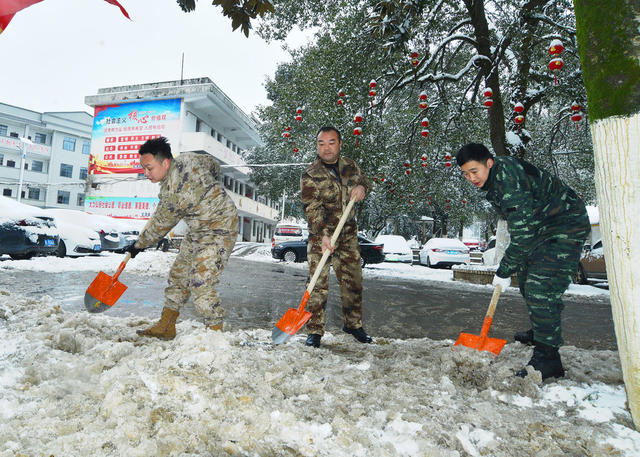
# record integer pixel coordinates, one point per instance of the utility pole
(284, 199)
(23, 150)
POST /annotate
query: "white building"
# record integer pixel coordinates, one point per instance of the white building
(56, 155)
(195, 115)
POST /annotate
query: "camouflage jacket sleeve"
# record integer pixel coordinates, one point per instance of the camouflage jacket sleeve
(361, 179)
(163, 220)
(313, 206)
(512, 196)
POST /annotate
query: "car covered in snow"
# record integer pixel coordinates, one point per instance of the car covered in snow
(592, 266)
(444, 252)
(288, 232)
(296, 251)
(76, 240)
(396, 248)
(107, 227)
(25, 230)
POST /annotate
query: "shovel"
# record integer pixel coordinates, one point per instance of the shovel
(482, 342)
(105, 290)
(295, 318)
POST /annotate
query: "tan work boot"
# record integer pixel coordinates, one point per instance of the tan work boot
(216, 328)
(165, 328)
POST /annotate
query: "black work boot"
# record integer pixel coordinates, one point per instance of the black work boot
(524, 337)
(313, 339)
(358, 333)
(546, 360)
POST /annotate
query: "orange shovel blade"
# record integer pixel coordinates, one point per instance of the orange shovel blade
(481, 343)
(293, 320)
(105, 290)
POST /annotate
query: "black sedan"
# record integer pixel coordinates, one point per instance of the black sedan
(296, 251)
(25, 237)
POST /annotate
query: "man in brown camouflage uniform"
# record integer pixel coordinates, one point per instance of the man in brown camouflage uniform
(327, 185)
(189, 190)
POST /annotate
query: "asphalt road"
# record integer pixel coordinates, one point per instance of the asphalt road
(257, 294)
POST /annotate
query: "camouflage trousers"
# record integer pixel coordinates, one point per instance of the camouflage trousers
(545, 277)
(196, 271)
(346, 265)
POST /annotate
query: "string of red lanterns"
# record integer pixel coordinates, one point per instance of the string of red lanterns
(556, 63)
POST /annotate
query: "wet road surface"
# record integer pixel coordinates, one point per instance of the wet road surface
(257, 294)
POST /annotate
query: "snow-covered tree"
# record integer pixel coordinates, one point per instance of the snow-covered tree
(610, 54)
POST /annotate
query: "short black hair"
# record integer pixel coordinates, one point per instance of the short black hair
(329, 128)
(158, 147)
(473, 151)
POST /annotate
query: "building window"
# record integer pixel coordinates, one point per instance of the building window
(69, 144)
(26, 166)
(6, 192)
(219, 137)
(40, 138)
(229, 144)
(11, 163)
(63, 197)
(3, 130)
(66, 170)
(83, 173)
(80, 201)
(14, 135)
(86, 147)
(1, 159)
(34, 193)
(37, 165)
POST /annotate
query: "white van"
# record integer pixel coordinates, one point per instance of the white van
(288, 232)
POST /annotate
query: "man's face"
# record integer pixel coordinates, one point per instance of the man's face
(154, 170)
(328, 146)
(476, 172)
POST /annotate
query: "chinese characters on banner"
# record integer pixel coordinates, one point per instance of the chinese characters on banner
(120, 130)
(121, 207)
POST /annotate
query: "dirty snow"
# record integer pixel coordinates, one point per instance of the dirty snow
(86, 384)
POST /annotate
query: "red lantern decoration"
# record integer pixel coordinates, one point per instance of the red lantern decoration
(519, 120)
(576, 117)
(464, 202)
(413, 54)
(488, 103)
(423, 95)
(555, 66)
(424, 165)
(425, 134)
(415, 62)
(448, 207)
(357, 132)
(357, 118)
(576, 106)
(340, 102)
(556, 48)
(423, 105)
(424, 157)
(287, 128)
(373, 84)
(296, 150)
(425, 123)
(488, 92)
(407, 164)
(372, 90)
(341, 93)
(518, 108)
(408, 171)
(372, 93)
(447, 164)
(447, 156)
(411, 202)
(286, 135)
(298, 118)
(299, 111)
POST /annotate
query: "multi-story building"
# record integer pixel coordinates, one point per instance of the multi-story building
(52, 148)
(195, 115)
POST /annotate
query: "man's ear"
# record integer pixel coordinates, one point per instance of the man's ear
(489, 163)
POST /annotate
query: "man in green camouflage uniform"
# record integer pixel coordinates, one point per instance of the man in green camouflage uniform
(189, 190)
(548, 224)
(327, 185)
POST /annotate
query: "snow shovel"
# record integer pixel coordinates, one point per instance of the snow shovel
(295, 318)
(482, 342)
(105, 290)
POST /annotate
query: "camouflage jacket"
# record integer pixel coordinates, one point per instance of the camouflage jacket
(537, 206)
(190, 191)
(324, 196)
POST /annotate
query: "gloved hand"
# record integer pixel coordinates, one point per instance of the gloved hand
(131, 249)
(504, 282)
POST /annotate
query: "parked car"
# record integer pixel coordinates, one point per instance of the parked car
(444, 252)
(107, 227)
(129, 230)
(396, 248)
(489, 253)
(296, 251)
(288, 232)
(592, 265)
(472, 243)
(75, 239)
(25, 230)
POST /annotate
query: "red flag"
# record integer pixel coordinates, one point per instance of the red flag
(10, 7)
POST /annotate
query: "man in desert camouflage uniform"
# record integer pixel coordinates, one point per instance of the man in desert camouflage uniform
(189, 190)
(548, 224)
(327, 185)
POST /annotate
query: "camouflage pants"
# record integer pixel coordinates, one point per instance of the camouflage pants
(545, 277)
(196, 270)
(346, 265)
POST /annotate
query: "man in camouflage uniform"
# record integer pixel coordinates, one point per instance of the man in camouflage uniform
(327, 185)
(548, 224)
(189, 190)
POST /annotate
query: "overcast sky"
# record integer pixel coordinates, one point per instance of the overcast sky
(58, 51)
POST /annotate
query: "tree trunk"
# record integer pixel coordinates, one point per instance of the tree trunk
(609, 53)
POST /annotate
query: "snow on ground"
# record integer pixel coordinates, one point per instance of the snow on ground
(86, 384)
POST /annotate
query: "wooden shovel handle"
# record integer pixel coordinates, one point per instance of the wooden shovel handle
(494, 301)
(121, 267)
(327, 253)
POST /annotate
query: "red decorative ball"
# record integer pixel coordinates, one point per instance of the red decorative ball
(488, 92)
(373, 84)
(423, 95)
(447, 164)
(340, 102)
(425, 122)
(556, 64)
(518, 108)
(357, 131)
(556, 47)
(488, 103)
(519, 119)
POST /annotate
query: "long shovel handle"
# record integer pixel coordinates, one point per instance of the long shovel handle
(325, 255)
(121, 267)
(494, 301)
